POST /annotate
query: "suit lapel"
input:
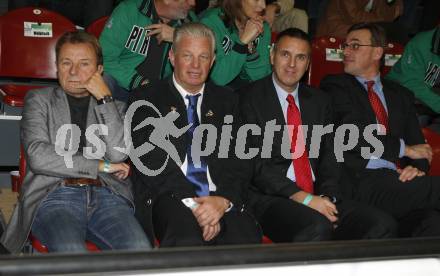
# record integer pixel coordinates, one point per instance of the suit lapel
(308, 115)
(173, 101)
(391, 103)
(362, 98)
(209, 107)
(271, 105)
(306, 106)
(61, 110)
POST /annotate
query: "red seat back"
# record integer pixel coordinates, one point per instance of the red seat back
(27, 47)
(393, 53)
(97, 26)
(326, 59)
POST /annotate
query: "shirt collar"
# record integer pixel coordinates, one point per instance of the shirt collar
(282, 94)
(184, 93)
(376, 79)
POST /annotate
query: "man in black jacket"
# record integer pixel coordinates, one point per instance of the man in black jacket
(191, 197)
(296, 195)
(394, 180)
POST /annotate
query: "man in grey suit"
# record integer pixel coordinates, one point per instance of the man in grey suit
(76, 185)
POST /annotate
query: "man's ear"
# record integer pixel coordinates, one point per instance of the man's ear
(212, 62)
(272, 54)
(378, 53)
(100, 69)
(171, 56)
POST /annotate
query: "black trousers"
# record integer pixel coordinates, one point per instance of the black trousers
(3, 250)
(415, 204)
(285, 220)
(175, 225)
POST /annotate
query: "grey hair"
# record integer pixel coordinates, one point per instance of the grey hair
(194, 30)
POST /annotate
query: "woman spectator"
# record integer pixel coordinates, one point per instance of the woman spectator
(242, 41)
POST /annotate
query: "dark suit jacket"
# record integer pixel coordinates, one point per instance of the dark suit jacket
(351, 106)
(217, 103)
(259, 104)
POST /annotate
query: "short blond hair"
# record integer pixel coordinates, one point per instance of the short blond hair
(194, 30)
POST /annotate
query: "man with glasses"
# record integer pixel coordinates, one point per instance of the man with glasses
(393, 177)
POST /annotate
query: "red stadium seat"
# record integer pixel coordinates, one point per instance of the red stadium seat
(266, 240)
(433, 139)
(36, 244)
(27, 49)
(326, 59)
(393, 53)
(97, 26)
(41, 248)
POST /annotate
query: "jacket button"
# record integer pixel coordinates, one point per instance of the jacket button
(149, 202)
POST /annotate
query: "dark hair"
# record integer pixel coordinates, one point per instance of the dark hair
(378, 34)
(232, 10)
(294, 33)
(79, 37)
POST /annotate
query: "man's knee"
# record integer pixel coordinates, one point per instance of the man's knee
(385, 227)
(67, 246)
(319, 229)
(241, 228)
(181, 238)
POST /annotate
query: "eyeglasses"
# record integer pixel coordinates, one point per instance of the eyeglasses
(354, 46)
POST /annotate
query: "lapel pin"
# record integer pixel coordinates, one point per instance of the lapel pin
(209, 113)
(173, 109)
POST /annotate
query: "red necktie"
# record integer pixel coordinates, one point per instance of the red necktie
(301, 165)
(376, 104)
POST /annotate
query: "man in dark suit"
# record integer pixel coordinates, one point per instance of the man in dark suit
(296, 197)
(395, 180)
(189, 203)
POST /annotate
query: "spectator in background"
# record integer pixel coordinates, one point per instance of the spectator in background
(419, 71)
(341, 14)
(136, 41)
(80, 12)
(281, 15)
(242, 41)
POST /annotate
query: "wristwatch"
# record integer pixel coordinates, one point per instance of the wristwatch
(332, 199)
(104, 100)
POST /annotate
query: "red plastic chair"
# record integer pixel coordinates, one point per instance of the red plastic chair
(326, 59)
(433, 139)
(97, 26)
(393, 53)
(27, 43)
(36, 244)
